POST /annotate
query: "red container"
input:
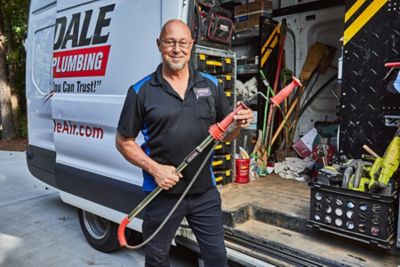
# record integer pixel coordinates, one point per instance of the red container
(242, 170)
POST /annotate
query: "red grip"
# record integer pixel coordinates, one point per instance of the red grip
(121, 232)
(285, 92)
(218, 130)
(392, 65)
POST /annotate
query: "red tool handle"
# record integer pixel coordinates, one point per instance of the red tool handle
(217, 130)
(285, 92)
(121, 232)
(392, 65)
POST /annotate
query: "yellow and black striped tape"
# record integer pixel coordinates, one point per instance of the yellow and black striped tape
(269, 45)
(366, 10)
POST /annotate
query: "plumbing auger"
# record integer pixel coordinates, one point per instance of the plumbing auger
(217, 132)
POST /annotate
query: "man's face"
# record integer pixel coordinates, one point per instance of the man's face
(175, 46)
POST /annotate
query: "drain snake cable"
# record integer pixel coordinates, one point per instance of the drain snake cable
(178, 202)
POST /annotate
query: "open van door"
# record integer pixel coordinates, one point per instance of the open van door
(39, 53)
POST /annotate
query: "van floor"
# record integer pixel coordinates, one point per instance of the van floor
(274, 212)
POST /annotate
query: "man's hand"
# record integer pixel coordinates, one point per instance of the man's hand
(165, 176)
(243, 118)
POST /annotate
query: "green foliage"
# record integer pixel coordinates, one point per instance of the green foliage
(15, 22)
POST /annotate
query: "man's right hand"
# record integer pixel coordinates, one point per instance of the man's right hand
(165, 176)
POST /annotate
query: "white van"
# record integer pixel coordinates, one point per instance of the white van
(83, 55)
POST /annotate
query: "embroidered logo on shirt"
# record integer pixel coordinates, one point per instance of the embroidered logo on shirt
(202, 92)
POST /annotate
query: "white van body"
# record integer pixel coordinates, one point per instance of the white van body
(82, 56)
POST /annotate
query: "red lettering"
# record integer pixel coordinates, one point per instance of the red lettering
(65, 129)
(59, 127)
(81, 62)
(88, 131)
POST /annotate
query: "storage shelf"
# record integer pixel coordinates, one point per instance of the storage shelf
(247, 69)
(247, 33)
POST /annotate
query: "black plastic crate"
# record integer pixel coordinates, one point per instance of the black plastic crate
(366, 217)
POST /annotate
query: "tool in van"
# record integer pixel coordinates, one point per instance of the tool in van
(350, 166)
(384, 167)
(359, 181)
(271, 91)
(394, 78)
(272, 108)
(261, 146)
(323, 151)
(330, 176)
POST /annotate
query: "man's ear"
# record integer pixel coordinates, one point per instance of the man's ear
(158, 44)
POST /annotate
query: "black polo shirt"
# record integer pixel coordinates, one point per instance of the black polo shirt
(172, 127)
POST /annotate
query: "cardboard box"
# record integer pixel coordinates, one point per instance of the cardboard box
(252, 21)
(248, 16)
(258, 6)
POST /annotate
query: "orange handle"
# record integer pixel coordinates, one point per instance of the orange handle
(218, 129)
(285, 92)
(121, 232)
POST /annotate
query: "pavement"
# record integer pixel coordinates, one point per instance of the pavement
(38, 229)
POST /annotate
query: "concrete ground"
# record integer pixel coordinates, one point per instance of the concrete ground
(38, 229)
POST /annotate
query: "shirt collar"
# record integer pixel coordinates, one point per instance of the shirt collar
(194, 77)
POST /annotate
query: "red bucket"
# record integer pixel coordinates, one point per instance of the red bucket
(242, 170)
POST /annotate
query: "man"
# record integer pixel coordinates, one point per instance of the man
(173, 108)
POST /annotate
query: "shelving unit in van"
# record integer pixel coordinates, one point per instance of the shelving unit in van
(222, 65)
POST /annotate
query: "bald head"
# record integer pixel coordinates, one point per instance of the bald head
(175, 24)
(175, 44)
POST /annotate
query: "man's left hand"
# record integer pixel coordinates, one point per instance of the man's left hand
(243, 118)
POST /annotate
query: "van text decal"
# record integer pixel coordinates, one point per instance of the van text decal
(73, 32)
(70, 128)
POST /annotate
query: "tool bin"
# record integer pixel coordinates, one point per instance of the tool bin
(223, 177)
(362, 216)
(221, 162)
(226, 81)
(222, 65)
(213, 64)
(223, 148)
(229, 96)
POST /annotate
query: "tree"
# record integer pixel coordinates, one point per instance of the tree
(7, 119)
(13, 24)
(12, 71)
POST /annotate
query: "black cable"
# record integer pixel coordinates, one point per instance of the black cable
(305, 106)
(310, 88)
